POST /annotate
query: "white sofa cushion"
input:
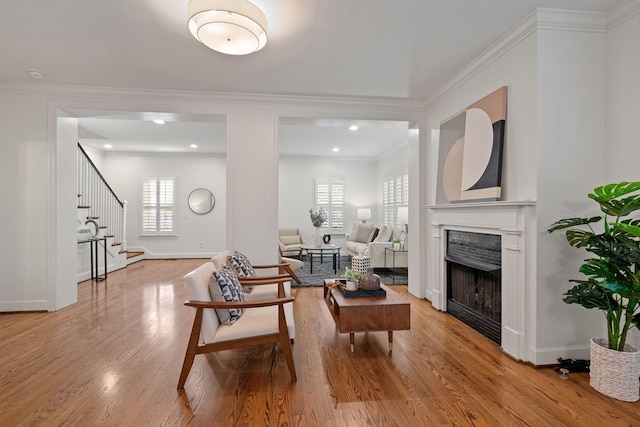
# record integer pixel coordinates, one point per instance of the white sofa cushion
(384, 234)
(365, 233)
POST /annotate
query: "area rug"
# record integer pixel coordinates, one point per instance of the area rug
(325, 271)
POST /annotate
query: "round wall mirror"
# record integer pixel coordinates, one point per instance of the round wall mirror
(201, 201)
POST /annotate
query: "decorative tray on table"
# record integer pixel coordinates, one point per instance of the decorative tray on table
(354, 293)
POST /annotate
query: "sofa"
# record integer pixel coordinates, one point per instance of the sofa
(370, 241)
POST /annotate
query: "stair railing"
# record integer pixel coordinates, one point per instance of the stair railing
(95, 192)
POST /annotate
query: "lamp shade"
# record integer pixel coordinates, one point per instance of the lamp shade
(403, 214)
(363, 213)
(234, 27)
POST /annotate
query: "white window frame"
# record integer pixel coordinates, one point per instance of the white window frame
(158, 205)
(333, 205)
(395, 193)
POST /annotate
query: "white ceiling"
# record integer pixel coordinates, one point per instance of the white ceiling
(379, 48)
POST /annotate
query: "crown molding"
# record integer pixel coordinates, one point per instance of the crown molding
(511, 38)
(371, 103)
(571, 20)
(537, 19)
(622, 13)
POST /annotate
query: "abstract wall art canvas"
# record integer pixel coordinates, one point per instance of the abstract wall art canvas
(470, 151)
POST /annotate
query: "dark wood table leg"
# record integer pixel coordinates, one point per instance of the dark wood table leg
(352, 340)
(390, 342)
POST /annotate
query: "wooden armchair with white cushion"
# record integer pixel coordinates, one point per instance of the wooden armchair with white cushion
(247, 322)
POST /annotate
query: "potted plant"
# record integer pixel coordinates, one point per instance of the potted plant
(611, 284)
(396, 244)
(353, 277)
(317, 220)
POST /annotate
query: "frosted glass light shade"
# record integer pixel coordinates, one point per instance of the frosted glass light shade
(234, 27)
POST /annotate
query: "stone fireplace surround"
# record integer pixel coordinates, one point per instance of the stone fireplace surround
(513, 222)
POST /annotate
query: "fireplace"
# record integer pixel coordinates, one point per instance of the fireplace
(474, 293)
(513, 223)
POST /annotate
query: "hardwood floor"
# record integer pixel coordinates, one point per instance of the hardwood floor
(114, 359)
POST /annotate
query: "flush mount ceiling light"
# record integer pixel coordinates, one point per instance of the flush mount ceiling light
(234, 27)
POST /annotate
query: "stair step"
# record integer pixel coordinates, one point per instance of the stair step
(133, 254)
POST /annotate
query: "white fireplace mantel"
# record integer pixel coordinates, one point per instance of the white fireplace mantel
(513, 222)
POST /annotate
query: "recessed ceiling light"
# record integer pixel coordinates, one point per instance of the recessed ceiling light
(108, 146)
(36, 74)
(158, 121)
(353, 127)
(193, 146)
(335, 149)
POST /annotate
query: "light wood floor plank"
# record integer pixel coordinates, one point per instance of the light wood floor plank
(113, 359)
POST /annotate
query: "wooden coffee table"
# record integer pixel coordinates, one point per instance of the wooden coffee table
(365, 314)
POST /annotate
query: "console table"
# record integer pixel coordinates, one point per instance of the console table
(93, 245)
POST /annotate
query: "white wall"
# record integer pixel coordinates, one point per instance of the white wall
(622, 141)
(25, 227)
(197, 236)
(295, 190)
(570, 138)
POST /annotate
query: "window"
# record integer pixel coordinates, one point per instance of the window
(329, 196)
(395, 193)
(158, 205)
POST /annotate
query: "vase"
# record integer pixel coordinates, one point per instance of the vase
(370, 281)
(614, 373)
(317, 237)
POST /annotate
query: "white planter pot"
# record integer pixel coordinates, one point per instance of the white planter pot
(352, 286)
(396, 246)
(615, 373)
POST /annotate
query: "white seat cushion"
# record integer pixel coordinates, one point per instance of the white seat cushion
(256, 321)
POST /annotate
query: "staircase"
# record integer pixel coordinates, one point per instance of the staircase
(98, 204)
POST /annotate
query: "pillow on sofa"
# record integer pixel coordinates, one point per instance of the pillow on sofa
(354, 232)
(224, 286)
(384, 235)
(365, 231)
(290, 240)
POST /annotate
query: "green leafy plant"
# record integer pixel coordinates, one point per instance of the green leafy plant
(396, 241)
(352, 275)
(318, 218)
(612, 281)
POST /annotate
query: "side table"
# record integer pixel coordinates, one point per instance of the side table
(393, 268)
(93, 250)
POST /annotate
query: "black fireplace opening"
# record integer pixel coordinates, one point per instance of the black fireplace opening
(474, 289)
